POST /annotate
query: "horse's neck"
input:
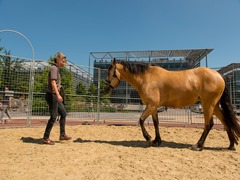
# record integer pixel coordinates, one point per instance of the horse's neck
(133, 79)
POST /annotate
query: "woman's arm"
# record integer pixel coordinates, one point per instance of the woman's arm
(54, 86)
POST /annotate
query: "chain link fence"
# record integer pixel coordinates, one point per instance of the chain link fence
(86, 102)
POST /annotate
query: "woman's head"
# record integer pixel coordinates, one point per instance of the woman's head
(60, 59)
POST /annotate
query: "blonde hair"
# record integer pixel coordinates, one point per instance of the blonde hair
(58, 56)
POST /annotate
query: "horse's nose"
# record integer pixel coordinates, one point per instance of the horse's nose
(107, 81)
(107, 89)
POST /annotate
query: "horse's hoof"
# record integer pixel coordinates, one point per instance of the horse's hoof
(231, 148)
(150, 143)
(149, 140)
(196, 148)
(156, 143)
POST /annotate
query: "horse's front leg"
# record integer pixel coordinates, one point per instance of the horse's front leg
(144, 115)
(157, 141)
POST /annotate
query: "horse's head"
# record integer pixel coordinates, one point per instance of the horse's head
(113, 77)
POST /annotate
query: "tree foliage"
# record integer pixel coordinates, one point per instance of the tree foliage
(15, 75)
(12, 73)
(80, 89)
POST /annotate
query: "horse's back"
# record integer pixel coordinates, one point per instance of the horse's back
(183, 88)
(200, 76)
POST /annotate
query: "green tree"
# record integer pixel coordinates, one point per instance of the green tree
(67, 81)
(40, 81)
(13, 73)
(92, 91)
(102, 86)
(105, 98)
(80, 89)
(40, 86)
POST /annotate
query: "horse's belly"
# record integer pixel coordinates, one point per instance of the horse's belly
(180, 100)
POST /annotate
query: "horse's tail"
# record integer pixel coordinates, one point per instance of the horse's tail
(229, 116)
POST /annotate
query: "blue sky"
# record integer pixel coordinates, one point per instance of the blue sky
(78, 27)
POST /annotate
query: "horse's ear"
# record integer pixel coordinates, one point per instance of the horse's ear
(113, 61)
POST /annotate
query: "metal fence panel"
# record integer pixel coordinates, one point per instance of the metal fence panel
(85, 99)
(14, 89)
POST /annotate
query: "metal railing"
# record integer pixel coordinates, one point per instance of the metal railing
(85, 103)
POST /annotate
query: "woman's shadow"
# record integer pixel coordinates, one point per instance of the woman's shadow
(31, 140)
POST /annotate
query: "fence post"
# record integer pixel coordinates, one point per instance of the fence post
(98, 98)
(189, 115)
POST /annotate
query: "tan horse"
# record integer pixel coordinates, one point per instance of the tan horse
(159, 87)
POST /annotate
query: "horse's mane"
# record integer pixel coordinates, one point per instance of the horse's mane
(134, 67)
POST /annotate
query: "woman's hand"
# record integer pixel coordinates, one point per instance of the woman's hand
(60, 99)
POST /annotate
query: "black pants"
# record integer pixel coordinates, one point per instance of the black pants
(55, 108)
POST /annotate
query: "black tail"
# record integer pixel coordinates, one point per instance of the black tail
(229, 116)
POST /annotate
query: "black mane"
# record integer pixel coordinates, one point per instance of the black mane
(134, 67)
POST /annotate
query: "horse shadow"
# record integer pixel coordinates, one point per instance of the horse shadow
(133, 143)
(140, 144)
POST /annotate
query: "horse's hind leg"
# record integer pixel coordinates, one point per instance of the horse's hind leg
(200, 143)
(218, 112)
(157, 141)
(208, 117)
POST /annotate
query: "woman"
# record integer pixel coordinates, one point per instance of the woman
(55, 100)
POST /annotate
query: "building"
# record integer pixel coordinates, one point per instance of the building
(231, 73)
(168, 59)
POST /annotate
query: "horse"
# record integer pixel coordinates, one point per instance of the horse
(159, 87)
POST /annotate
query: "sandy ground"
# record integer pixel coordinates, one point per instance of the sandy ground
(116, 152)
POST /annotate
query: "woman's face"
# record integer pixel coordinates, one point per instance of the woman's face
(61, 62)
